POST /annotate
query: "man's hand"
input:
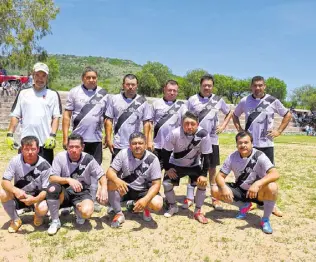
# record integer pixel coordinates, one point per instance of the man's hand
(253, 190)
(219, 129)
(121, 186)
(102, 196)
(50, 143)
(75, 184)
(202, 181)
(110, 145)
(273, 133)
(19, 193)
(171, 173)
(29, 200)
(10, 140)
(140, 205)
(226, 194)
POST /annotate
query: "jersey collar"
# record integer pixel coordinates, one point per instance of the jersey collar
(127, 98)
(74, 162)
(204, 97)
(169, 102)
(258, 98)
(89, 90)
(34, 164)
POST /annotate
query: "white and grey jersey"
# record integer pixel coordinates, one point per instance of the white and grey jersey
(256, 169)
(30, 178)
(138, 173)
(128, 116)
(259, 116)
(36, 110)
(167, 115)
(187, 150)
(207, 109)
(88, 109)
(82, 170)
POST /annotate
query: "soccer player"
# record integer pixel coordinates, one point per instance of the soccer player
(126, 113)
(40, 109)
(207, 105)
(85, 109)
(30, 173)
(167, 114)
(134, 176)
(255, 177)
(184, 151)
(70, 183)
(259, 109)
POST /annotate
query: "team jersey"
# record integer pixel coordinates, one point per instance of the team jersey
(207, 109)
(37, 109)
(167, 115)
(88, 109)
(259, 116)
(82, 170)
(186, 149)
(260, 166)
(128, 116)
(138, 173)
(30, 178)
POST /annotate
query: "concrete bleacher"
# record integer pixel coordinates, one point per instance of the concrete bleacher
(6, 104)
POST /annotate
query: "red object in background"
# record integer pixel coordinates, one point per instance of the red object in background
(22, 79)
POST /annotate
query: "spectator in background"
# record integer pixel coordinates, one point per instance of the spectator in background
(3, 71)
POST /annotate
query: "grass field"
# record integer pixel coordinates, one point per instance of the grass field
(181, 238)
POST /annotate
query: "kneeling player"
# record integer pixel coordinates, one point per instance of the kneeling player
(255, 180)
(30, 173)
(70, 183)
(183, 153)
(134, 175)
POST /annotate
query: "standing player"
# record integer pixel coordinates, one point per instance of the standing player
(255, 177)
(40, 110)
(30, 173)
(207, 105)
(126, 113)
(185, 150)
(259, 109)
(85, 109)
(167, 114)
(134, 176)
(70, 183)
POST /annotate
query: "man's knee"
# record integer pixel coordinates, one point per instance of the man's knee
(41, 208)
(167, 185)
(272, 188)
(5, 196)
(86, 209)
(53, 191)
(156, 203)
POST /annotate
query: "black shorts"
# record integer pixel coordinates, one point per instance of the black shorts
(214, 156)
(192, 172)
(19, 204)
(72, 198)
(268, 151)
(240, 194)
(133, 194)
(95, 150)
(116, 151)
(158, 153)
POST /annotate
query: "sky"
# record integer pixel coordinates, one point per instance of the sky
(272, 38)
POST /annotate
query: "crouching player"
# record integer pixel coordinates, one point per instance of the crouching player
(134, 176)
(30, 173)
(255, 178)
(70, 183)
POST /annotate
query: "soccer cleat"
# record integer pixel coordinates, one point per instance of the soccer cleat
(97, 207)
(80, 220)
(130, 205)
(244, 210)
(265, 224)
(146, 215)
(199, 216)
(38, 220)
(66, 211)
(24, 210)
(53, 228)
(15, 225)
(171, 211)
(118, 220)
(277, 212)
(217, 204)
(187, 203)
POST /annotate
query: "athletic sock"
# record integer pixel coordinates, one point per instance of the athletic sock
(268, 206)
(190, 192)
(93, 191)
(53, 207)
(115, 200)
(171, 197)
(10, 208)
(199, 199)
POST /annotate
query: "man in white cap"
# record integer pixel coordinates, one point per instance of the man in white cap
(39, 108)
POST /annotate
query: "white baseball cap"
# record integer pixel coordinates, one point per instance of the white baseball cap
(41, 67)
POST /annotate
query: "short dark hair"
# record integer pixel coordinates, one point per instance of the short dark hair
(242, 134)
(130, 77)
(28, 140)
(74, 136)
(136, 135)
(88, 69)
(172, 82)
(189, 114)
(257, 78)
(207, 77)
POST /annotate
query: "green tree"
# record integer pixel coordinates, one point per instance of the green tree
(53, 66)
(276, 88)
(148, 84)
(191, 82)
(161, 72)
(22, 25)
(305, 97)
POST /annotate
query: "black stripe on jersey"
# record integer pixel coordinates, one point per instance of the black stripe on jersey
(32, 175)
(128, 112)
(88, 107)
(258, 110)
(200, 134)
(208, 107)
(59, 102)
(81, 168)
(175, 107)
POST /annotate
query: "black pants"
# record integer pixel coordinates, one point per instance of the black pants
(95, 150)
